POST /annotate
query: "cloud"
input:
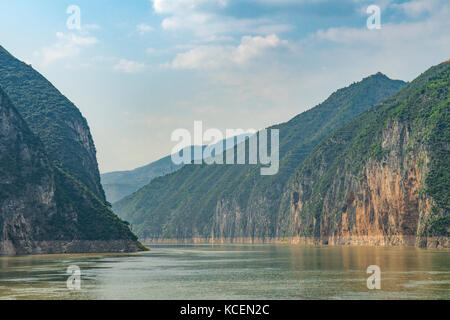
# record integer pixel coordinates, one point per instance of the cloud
(417, 7)
(67, 46)
(211, 57)
(128, 66)
(256, 80)
(180, 6)
(144, 28)
(205, 18)
(254, 46)
(402, 50)
(86, 27)
(406, 34)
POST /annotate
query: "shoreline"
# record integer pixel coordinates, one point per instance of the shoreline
(9, 248)
(359, 241)
(440, 243)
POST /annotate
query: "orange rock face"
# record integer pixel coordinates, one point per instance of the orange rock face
(386, 206)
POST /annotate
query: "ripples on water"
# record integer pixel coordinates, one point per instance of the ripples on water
(232, 272)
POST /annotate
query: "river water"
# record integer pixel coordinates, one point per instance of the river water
(232, 272)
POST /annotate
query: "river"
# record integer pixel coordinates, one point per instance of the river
(232, 272)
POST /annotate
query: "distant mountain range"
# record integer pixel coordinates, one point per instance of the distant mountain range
(343, 176)
(51, 199)
(119, 184)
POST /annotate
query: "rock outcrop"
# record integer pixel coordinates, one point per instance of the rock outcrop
(55, 120)
(232, 203)
(48, 204)
(379, 176)
(383, 178)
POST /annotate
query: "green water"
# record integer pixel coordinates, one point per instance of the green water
(233, 272)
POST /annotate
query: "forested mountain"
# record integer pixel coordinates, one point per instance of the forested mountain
(221, 202)
(383, 178)
(54, 119)
(44, 207)
(120, 184)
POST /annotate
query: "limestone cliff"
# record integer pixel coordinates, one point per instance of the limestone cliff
(43, 209)
(234, 202)
(54, 119)
(383, 179)
(380, 178)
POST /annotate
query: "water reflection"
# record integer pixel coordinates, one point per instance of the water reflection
(233, 272)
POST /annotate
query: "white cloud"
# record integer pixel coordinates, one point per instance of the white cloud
(201, 57)
(401, 50)
(210, 57)
(86, 27)
(128, 66)
(76, 40)
(180, 6)
(417, 7)
(204, 19)
(67, 46)
(254, 46)
(144, 28)
(393, 35)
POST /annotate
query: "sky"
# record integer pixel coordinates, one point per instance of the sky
(138, 70)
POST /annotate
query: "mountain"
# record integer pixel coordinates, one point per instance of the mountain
(120, 184)
(42, 208)
(48, 203)
(234, 202)
(54, 119)
(383, 178)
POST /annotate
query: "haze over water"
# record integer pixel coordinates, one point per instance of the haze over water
(232, 272)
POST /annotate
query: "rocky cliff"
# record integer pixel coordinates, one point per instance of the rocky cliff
(234, 202)
(51, 200)
(42, 208)
(55, 120)
(383, 179)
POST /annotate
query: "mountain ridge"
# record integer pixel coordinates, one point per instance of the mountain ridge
(119, 184)
(188, 203)
(53, 118)
(45, 208)
(383, 178)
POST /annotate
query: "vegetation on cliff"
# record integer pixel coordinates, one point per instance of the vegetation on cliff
(53, 118)
(44, 208)
(229, 201)
(405, 141)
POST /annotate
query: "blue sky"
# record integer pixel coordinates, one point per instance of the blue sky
(140, 69)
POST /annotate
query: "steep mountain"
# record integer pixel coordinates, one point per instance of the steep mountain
(120, 184)
(42, 208)
(234, 202)
(384, 178)
(54, 119)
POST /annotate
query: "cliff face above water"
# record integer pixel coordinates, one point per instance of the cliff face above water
(43, 207)
(55, 120)
(26, 178)
(234, 202)
(382, 179)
